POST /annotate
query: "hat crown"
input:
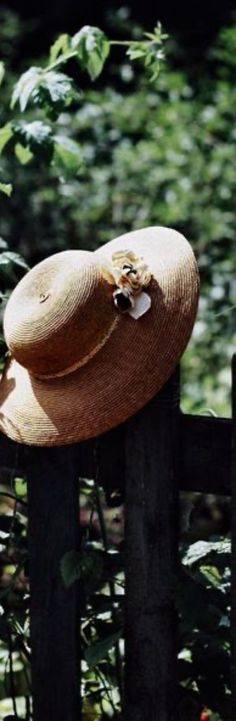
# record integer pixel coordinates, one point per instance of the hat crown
(59, 314)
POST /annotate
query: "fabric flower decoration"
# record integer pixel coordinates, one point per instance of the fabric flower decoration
(128, 271)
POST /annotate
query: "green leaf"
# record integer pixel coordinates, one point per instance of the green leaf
(10, 257)
(99, 650)
(2, 71)
(86, 564)
(6, 188)
(149, 51)
(201, 549)
(212, 575)
(58, 88)
(6, 133)
(92, 48)
(185, 655)
(36, 137)
(35, 133)
(43, 88)
(136, 51)
(225, 621)
(67, 152)
(26, 86)
(23, 154)
(60, 47)
(20, 487)
(70, 567)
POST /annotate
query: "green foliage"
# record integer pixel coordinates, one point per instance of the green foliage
(6, 188)
(225, 50)
(98, 567)
(86, 168)
(151, 55)
(47, 88)
(2, 71)
(68, 154)
(86, 564)
(55, 91)
(204, 605)
(5, 135)
(92, 48)
(14, 599)
(99, 650)
(161, 154)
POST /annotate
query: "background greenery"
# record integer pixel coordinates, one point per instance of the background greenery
(161, 153)
(121, 155)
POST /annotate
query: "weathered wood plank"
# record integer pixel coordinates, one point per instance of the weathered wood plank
(111, 463)
(204, 454)
(11, 455)
(53, 530)
(151, 542)
(233, 557)
(204, 463)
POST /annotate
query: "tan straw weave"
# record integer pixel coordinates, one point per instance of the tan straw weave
(78, 366)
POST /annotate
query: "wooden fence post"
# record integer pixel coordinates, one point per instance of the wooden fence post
(151, 542)
(53, 530)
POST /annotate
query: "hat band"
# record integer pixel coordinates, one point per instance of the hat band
(84, 360)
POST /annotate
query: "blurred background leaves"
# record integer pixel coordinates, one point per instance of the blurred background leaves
(132, 154)
(86, 166)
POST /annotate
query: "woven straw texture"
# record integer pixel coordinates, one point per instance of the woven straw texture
(61, 321)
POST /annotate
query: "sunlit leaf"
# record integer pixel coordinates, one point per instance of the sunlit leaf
(57, 87)
(149, 51)
(23, 154)
(201, 549)
(20, 486)
(92, 48)
(43, 87)
(99, 650)
(2, 71)
(36, 137)
(212, 574)
(60, 47)
(11, 257)
(67, 152)
(6, 188)
(26, 85)
(6, 133)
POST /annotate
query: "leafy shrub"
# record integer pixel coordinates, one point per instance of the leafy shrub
(140, 155)
(86, 167)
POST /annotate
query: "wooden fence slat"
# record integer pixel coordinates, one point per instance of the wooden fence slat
(53, 530)
(233, 531)
(205, 452)
(151, 542)
(204, 463)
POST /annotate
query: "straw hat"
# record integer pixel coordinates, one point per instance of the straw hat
(94, 335)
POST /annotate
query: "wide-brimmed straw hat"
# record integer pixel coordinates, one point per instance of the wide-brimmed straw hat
(94, 335)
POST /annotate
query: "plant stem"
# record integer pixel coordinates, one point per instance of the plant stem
(129, 43)
(61, 59)
(11, 675)
(73, 54)
(111, 584)
(106, 688)
(14, 498)
(27, 708)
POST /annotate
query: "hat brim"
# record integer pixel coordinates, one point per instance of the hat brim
(127, 371)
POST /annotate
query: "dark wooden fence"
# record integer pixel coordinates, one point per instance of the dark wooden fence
(153, 455)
